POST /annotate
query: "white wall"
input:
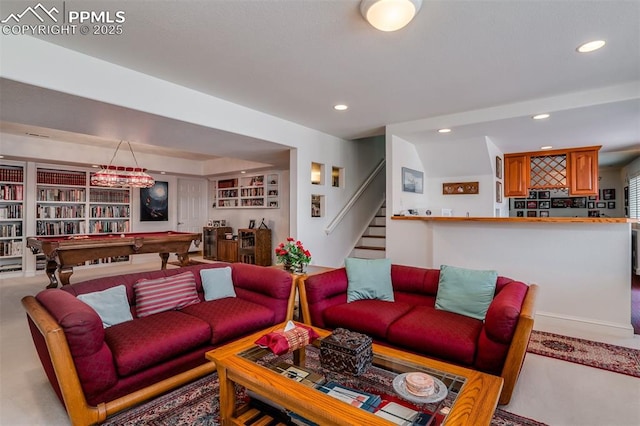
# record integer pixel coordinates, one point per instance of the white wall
(358, 159)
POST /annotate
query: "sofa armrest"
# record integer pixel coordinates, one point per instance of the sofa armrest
(270, 287)
(519, 343)
(504, 311)
(60, 359)
(321, 291)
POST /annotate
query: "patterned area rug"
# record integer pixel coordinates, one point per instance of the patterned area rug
(198, 402)
(613, 358)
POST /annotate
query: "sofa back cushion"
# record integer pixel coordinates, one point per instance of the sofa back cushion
(466, 292)
(111, 305)
(165, 294)
(368, 279)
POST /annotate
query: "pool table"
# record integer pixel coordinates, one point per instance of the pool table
(63, 252)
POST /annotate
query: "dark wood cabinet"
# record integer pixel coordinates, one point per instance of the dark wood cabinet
(254, 246)
(227, 251)
(210, 238)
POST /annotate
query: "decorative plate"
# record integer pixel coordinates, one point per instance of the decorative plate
(440, 390)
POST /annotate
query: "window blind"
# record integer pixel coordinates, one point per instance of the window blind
(634, 197)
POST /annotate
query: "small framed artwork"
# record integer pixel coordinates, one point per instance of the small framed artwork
(601, 205)
(252, 223)
(498, 167)
(544, 214)
(215, 223)
(593, 213)
(520, 204)
(532, 214)
(412, 180)
(544, 204)
(519, 213)
(609, 194)
(611, 205)
(533, 195)
(209, 223)
(498, 192)
(578, 202)
(591, 204)
(544, 195)
(223, 222)
(532, 204)
(593, 197)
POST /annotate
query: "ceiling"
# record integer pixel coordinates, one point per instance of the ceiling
(295, 59)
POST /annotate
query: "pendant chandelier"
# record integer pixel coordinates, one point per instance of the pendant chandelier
(134, 177)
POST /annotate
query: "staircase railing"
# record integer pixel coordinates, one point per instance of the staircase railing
(343, 212)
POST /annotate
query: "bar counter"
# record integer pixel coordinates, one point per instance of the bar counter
(519, 219)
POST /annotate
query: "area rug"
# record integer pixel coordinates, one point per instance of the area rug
(608, 357)
(198, 403)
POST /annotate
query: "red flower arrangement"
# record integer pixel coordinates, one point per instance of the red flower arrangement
(292, 254)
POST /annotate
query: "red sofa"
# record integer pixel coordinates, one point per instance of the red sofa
(98, 371)
(411, 322)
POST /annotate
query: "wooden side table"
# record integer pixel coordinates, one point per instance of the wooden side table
(297, 281)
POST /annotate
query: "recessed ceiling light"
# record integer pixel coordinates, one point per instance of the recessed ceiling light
(546, 147)
(444, 130)
(340, 107)
(541, 116)
(163, 173)
(590, 46)
(1, 156)
(95, 166)
(243, 171)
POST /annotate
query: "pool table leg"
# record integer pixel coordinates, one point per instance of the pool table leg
(165, 259)
(65, 274)
(183, 258)
(52, 266)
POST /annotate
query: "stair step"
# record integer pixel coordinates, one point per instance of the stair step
(372, 241)
(361, 253)
(369, 248)
(376, 231)
(378, 220)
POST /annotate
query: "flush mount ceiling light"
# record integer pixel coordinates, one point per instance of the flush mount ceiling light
(444, 131)
(546, 147)
(134, 177)
(389, 15)
(340, 107)
(590, 46)
(541, 116)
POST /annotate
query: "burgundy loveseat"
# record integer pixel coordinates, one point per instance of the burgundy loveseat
(411, 322)
(98, 371)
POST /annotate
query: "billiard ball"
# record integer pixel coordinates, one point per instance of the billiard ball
(121, 235)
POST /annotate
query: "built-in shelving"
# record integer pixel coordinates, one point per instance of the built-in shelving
(257, 191)
(11, 217)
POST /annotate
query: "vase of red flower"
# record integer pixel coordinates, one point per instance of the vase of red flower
(293, 255)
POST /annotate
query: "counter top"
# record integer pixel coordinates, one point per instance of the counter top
(520, 219)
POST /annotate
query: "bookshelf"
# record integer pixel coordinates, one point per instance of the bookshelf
(60, 202)
(211, 236)
(109, 210)
(11, 217)
(256, 191)
(254, 246)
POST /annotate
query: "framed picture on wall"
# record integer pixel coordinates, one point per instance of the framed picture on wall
(532, 214)
(591, 205)
(532, 204)
(519, 213)
(498, 192)
(412, 180)
(544, 195)
(498, 167)
(609, 194)
(544, 204)
(611, 205)
(601, 205)
(544, 214)
(520, 204)
(154, 203)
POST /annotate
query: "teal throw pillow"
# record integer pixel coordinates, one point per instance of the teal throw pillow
(217, 283)
(111, 305)
(369, 279)
(465, 291)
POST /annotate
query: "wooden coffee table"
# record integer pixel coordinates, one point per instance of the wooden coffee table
(472, 403)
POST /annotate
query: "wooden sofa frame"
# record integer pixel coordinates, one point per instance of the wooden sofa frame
(79, 411)
(517, 349)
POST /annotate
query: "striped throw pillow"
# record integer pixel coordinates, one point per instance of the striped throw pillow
(165, 294)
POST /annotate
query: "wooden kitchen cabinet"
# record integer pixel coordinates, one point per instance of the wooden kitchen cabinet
(583, 172)
(575, 169)
(516, 175)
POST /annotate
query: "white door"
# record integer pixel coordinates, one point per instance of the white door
(192, 206)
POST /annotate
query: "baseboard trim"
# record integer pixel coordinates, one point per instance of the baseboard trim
(579, 327)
